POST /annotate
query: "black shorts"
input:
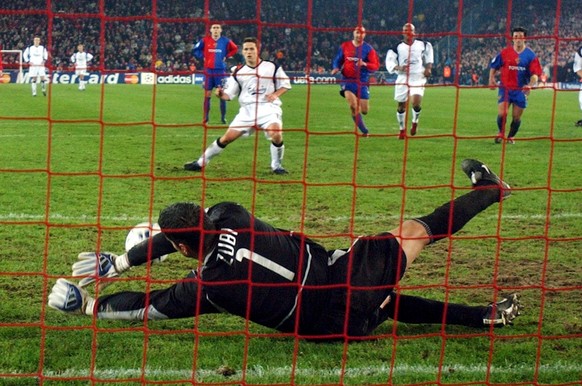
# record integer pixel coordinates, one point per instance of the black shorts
(374, 265)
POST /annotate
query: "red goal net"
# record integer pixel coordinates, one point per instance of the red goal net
(106, 149)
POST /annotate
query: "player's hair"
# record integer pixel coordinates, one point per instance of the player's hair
(184, 223)
(251, 40)
(519, 29)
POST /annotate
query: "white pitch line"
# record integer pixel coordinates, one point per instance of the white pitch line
(287, 371)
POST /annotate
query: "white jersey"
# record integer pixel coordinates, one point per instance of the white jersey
(253, 84)
(578, 60)
(35, 55)
(416, 56)
(80, 59)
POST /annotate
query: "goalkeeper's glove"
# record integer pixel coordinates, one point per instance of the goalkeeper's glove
(93, 265)
(68, 297)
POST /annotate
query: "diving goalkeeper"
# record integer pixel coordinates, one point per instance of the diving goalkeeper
(283, 280)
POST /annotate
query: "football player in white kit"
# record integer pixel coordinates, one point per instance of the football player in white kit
(80, 59)
(258, 85)
(36, 56)
(412, 60)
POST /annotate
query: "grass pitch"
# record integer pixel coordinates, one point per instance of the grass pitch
(78, 169)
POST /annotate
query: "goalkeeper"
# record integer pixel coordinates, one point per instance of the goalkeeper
(282, 279)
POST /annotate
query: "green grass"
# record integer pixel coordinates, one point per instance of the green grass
(79, 169)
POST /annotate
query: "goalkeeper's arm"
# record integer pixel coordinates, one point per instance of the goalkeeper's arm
(92, 266)
(149, 250)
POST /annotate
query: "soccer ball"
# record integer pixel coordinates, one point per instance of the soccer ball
(141, 232)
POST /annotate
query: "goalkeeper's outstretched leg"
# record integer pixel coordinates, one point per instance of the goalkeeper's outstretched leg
(413, 235)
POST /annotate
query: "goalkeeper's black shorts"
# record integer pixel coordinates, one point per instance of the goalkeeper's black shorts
(374, 265)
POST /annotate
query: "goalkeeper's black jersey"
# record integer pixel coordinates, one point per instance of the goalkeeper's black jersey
(262, 273)
(272, 277)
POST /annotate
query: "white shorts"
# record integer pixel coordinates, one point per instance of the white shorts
(36, 70)
(81, 71)
(408, 85)
(247, 120)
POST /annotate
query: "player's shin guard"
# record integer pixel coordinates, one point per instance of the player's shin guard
(400, 117)
(211, 151)
(360, 123)
(206, 108)
(222, 109)
(452, 216)
(513, 128)
(501, 124)
(416, 113)
(277, 152)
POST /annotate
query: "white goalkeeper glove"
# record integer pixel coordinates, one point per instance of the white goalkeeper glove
(93, 265)
(68, 297)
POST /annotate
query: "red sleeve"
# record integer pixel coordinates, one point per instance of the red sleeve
(535, 67)
(232, 49)
(373, 61)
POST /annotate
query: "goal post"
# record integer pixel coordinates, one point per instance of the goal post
(4, 68)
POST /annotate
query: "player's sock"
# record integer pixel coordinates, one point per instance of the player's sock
(442, 222)
(206, 108)
(33, 84)
(222, 110)
(400, 117)
(500, 123)
(513, 128)
(416, 114)
(277, 152)
(414, 309)
(211, 151)
(360, 123)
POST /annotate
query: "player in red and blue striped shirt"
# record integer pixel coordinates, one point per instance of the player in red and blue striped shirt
(214, 49)
(520, 69)
(356, 60)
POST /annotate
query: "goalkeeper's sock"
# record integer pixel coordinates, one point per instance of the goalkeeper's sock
(452, 216)
(400, 117)
(277, 152)
(360, 123)
(212, 151)
(414, 309)
(416, 114)
(513, 128)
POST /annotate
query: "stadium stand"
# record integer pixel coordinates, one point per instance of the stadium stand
(131, 42)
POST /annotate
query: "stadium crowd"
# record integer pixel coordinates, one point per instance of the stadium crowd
(148, 34)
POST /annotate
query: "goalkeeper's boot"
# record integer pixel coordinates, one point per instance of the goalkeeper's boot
(402, 134)
(481, 175)
(503, 312)
(193, 166)
(68, 297)
(413, 128)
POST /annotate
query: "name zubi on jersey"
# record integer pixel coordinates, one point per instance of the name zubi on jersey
(226, 246)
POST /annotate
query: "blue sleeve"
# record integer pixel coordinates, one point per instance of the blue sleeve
(496, 63)
(198, 50)
(339, 59)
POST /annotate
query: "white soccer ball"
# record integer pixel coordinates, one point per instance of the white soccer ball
(141, 232)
